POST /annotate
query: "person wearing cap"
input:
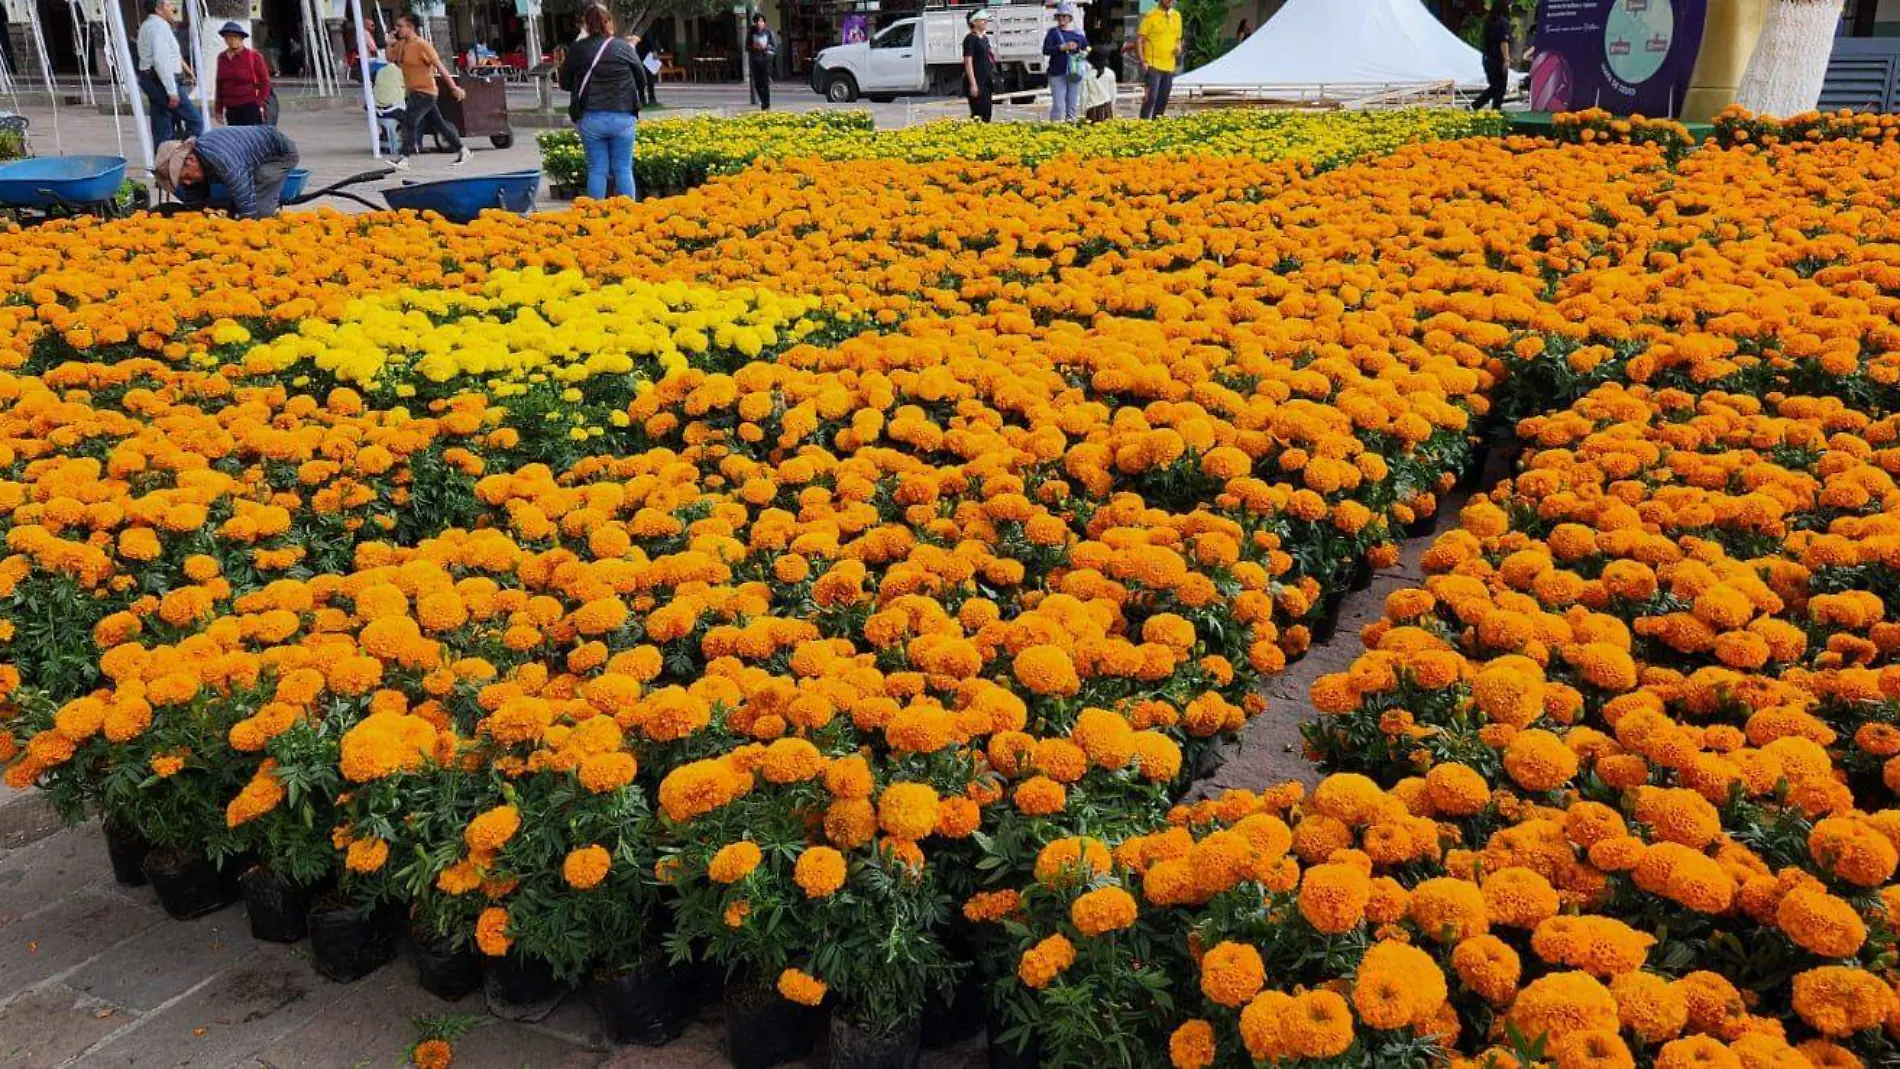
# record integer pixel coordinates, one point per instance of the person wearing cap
(979, 66)
(162, 71)
(1162, 45)
(251, 162)
(1065, 46)
(243, 84)
(761, 49)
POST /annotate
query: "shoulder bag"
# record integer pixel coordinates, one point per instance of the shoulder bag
(577, 106)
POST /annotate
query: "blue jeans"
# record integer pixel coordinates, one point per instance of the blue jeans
(1154, 103)
(1065, 96)
(169, 122)
(608, 138)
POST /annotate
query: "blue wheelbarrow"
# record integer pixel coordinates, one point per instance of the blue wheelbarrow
(459, 200)
(47, 185)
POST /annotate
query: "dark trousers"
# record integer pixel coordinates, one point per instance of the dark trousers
(762, 82)
(1154, 102)
(982, 105)
(424, 116)
(244, 115)
(169, 121)
(1495, 83)
(269, 177)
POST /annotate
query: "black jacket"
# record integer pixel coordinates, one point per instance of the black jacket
(614, 84)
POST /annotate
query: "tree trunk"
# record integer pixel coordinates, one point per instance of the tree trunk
(1784, 76)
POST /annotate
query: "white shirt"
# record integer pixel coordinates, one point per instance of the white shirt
(158, 53)
(1098, 89)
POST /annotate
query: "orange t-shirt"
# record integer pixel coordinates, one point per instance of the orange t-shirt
(417, 59)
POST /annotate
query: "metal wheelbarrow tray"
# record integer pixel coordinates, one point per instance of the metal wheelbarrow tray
(460, 200)
(84, 183)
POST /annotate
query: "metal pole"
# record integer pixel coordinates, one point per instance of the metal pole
(46, 68)
(129, 75)
(195, 23)
(369, 98)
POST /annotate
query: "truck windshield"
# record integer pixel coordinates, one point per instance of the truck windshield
(898, 36)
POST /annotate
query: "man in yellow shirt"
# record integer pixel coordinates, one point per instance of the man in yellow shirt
(1161, 49)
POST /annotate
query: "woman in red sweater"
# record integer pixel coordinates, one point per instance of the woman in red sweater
(243, 81)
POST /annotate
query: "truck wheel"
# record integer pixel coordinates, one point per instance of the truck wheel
(841, 89)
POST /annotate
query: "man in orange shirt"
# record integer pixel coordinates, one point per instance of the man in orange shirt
(420, 65)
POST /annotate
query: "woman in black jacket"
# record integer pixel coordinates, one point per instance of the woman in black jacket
(599, 73)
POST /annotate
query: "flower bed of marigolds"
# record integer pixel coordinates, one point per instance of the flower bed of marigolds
(827, 584)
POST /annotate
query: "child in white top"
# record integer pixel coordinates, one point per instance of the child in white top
(1098, 89)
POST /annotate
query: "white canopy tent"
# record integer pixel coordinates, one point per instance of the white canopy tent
(1344, 42)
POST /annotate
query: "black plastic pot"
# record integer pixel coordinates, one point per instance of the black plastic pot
(763, 1028)
(520, 987)
(853, 1047)
(1005, 1055)
(126, 849)
(649, 1004)
(276, 906)
(445, 970)
(1327, 625)
(954, 1016)
(349, 941)
(187, 883)
(1422, 526)
(1361, 574)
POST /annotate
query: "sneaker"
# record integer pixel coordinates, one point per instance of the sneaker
(400, 163)
(463, 157)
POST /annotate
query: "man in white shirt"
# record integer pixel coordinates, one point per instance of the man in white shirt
(173, 115)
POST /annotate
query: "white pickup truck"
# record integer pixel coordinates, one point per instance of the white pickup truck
(924, 54)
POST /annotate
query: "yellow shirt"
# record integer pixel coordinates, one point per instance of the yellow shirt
(1160, 38)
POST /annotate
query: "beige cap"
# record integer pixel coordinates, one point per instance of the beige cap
(169, 160)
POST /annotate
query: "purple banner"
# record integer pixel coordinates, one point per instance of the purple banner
(1629, 57)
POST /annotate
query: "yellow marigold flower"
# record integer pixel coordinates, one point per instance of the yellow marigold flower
(1045, 961)
(366, 855)
(433, 1054)
(585, 867)
(1232, 973)
(907, 810)
(491, 932)
(734, 862)
(820, 871)
(1488, 966)
(791, 761)
(1047, 670)
(1318, 1026)
(1103, 910)
(1651, 1007)
(1449, 910)
(1556, 1005)
(490, 831)
(1192, 1045)
(802, 987)
(1397, 986)
(1333, 897)
(1820, 923)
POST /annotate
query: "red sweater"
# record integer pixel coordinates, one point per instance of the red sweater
(243, 79)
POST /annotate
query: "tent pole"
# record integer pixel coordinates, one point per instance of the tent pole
(369, 97)
(195, 21)
(129, 76)
(46, 69)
